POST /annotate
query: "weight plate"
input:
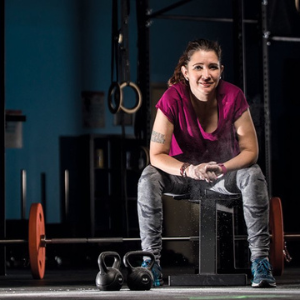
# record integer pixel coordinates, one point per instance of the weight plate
(37, 251)
(277, 240)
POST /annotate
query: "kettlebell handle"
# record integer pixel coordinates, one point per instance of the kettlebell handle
(138, 253)
(103, 255)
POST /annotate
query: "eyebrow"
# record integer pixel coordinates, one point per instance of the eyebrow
(215, 64)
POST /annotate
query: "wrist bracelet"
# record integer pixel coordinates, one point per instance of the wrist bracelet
(183, 169)
(224, 170)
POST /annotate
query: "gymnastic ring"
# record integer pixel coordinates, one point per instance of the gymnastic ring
(115, 90)
(138, 94)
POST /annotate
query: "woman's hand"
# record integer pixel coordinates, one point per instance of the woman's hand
(206, 171)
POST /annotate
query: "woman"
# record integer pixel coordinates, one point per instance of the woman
(203, 134)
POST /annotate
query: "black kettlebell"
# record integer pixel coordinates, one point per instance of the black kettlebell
(109, 278)
(138, 278)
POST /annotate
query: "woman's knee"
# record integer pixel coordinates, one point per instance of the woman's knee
(249, 176)
(150, 181)
(149, 176)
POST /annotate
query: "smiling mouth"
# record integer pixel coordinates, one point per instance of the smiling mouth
(206, 83)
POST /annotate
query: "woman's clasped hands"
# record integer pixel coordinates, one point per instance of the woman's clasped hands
(205, 171)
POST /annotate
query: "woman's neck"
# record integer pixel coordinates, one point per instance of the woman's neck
(203, 102)
(206, 112)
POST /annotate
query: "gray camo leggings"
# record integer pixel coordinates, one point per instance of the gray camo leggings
(249, 182)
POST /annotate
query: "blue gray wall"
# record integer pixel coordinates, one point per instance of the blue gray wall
(55, 49)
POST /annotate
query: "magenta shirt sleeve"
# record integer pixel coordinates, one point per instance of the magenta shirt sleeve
(168, 104)
(241, 105)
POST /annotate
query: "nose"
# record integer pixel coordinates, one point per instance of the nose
(205, 73)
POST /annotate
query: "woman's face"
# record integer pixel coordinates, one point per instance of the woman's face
(203, 72)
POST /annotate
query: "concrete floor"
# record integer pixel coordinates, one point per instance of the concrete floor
(80, 284)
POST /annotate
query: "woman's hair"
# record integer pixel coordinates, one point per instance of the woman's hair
(192, 47)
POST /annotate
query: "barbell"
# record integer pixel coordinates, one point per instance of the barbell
(37, 240)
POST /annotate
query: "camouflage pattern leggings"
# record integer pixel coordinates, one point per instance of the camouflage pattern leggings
(249, 182)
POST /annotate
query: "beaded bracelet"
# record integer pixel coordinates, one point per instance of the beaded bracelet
(183, 169)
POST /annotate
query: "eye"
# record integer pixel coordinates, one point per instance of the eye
(214, 67)
(198, 67)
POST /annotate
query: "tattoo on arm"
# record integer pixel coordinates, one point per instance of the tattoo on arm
(157, 137)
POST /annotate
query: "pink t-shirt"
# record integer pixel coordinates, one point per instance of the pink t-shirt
(190, 142)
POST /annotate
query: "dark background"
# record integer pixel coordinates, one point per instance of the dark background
(55, 49)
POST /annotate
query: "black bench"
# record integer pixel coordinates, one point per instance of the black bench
(211, 203)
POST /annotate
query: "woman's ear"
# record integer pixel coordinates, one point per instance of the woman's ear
(222, 69)
(184, 71)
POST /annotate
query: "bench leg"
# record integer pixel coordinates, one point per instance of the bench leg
(208, 275)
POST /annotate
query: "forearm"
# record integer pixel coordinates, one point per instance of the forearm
(166, 163)
(173, 166)
(242, 160)
(212, 170)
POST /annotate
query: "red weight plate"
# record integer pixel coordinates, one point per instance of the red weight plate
(37, 251)
(277, 240)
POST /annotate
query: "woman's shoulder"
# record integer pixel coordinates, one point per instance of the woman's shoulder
(178, 88)
(232, 98)
(174, 99)
(226, 87)
(177, 92)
